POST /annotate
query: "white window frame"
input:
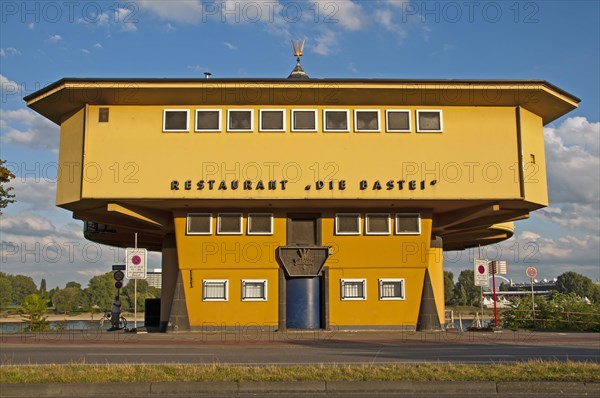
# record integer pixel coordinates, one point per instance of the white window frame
(337, 231)
(356, 111)
(187, 220)
(187, 123)
(387, 126)
(336, 130)
(241, 130)
(219, 232)
(367, 216)
(260, 127)
(344, 281)
(263, 281)
(259, 214)
(219, 129)
(225, 283)
(403, 290)
(419, 130)
(314, 111)
(407, 233)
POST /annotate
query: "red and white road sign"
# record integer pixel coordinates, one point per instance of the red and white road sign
(481, 272)
(135, 260)
(531, 272)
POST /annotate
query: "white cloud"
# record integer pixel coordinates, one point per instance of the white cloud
(26, 128)
(85, 51)
(183, 11)
(230, 46)
(327, 42)
(350, 15)
(573, 216)
(170, 28)
(55, 38)
(196, 68)
(31, 26)
(98, 46)
(10, 51)
(124, 17)
(35, 193)
(573, 161)
(385, 17)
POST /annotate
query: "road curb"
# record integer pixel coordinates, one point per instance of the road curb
(461, 388)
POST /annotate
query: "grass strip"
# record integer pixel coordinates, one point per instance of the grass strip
(535, 370)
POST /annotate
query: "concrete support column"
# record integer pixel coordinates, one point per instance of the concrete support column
(170, 273)
(432, 298)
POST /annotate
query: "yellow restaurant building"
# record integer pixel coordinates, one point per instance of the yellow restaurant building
(301, 203)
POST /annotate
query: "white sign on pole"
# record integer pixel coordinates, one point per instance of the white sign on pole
(500, 267)
(135, 260)
(481, 272)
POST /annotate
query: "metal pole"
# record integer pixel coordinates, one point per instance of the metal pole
(135, 295)
(481, 287)
(495, 307)
(532, 303)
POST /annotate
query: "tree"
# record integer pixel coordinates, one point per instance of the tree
(5, 196)
(22, 286)
(73, 284)
(5, 291)
(448, 287)
(101, 292)
(43, 291)
(471, 293)
(572, 282)
(33, 309)
(67, 299)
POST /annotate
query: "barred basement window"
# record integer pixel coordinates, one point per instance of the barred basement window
(347, 224)
(391, 289)
(272, 120)
(176, 120)
(215, 290)
(199, 224)
(304, 120)
(229, 224)
(398, 121)
(408, 224)
(260, 224)
(366, 120)
(208, 120)
(354, 289)
(240, 120)
(336, 120)
(254, 290)
(429, 121)
(377, 224)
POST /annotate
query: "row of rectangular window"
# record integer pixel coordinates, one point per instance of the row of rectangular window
(256, 289)
(356, 289)
(378, 224)
(303, 120)
(230, 224)
(345, 224)
(218, 290)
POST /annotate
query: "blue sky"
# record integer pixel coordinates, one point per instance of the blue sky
(557, 41)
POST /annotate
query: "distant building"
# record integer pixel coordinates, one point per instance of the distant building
(301, 203)
(154, 278)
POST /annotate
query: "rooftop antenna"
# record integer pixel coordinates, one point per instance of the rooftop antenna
(207, 75)
(298, 49)
(298, 72)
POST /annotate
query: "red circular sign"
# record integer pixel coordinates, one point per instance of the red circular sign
(136, 260)
(481, 269)
(531, 272)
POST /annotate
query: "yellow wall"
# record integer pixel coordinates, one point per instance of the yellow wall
(70, 158)
(472, 158)
(534, 158)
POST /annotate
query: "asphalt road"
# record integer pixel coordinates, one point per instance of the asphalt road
(357, 348)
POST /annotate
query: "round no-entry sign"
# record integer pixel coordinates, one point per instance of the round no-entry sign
(531, 272)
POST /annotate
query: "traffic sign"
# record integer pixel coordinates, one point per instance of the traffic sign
(118, 284)
(481, 273)
(119, 275)
(119, 267)
(136, 263)
(499, 267)
(531, 272)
